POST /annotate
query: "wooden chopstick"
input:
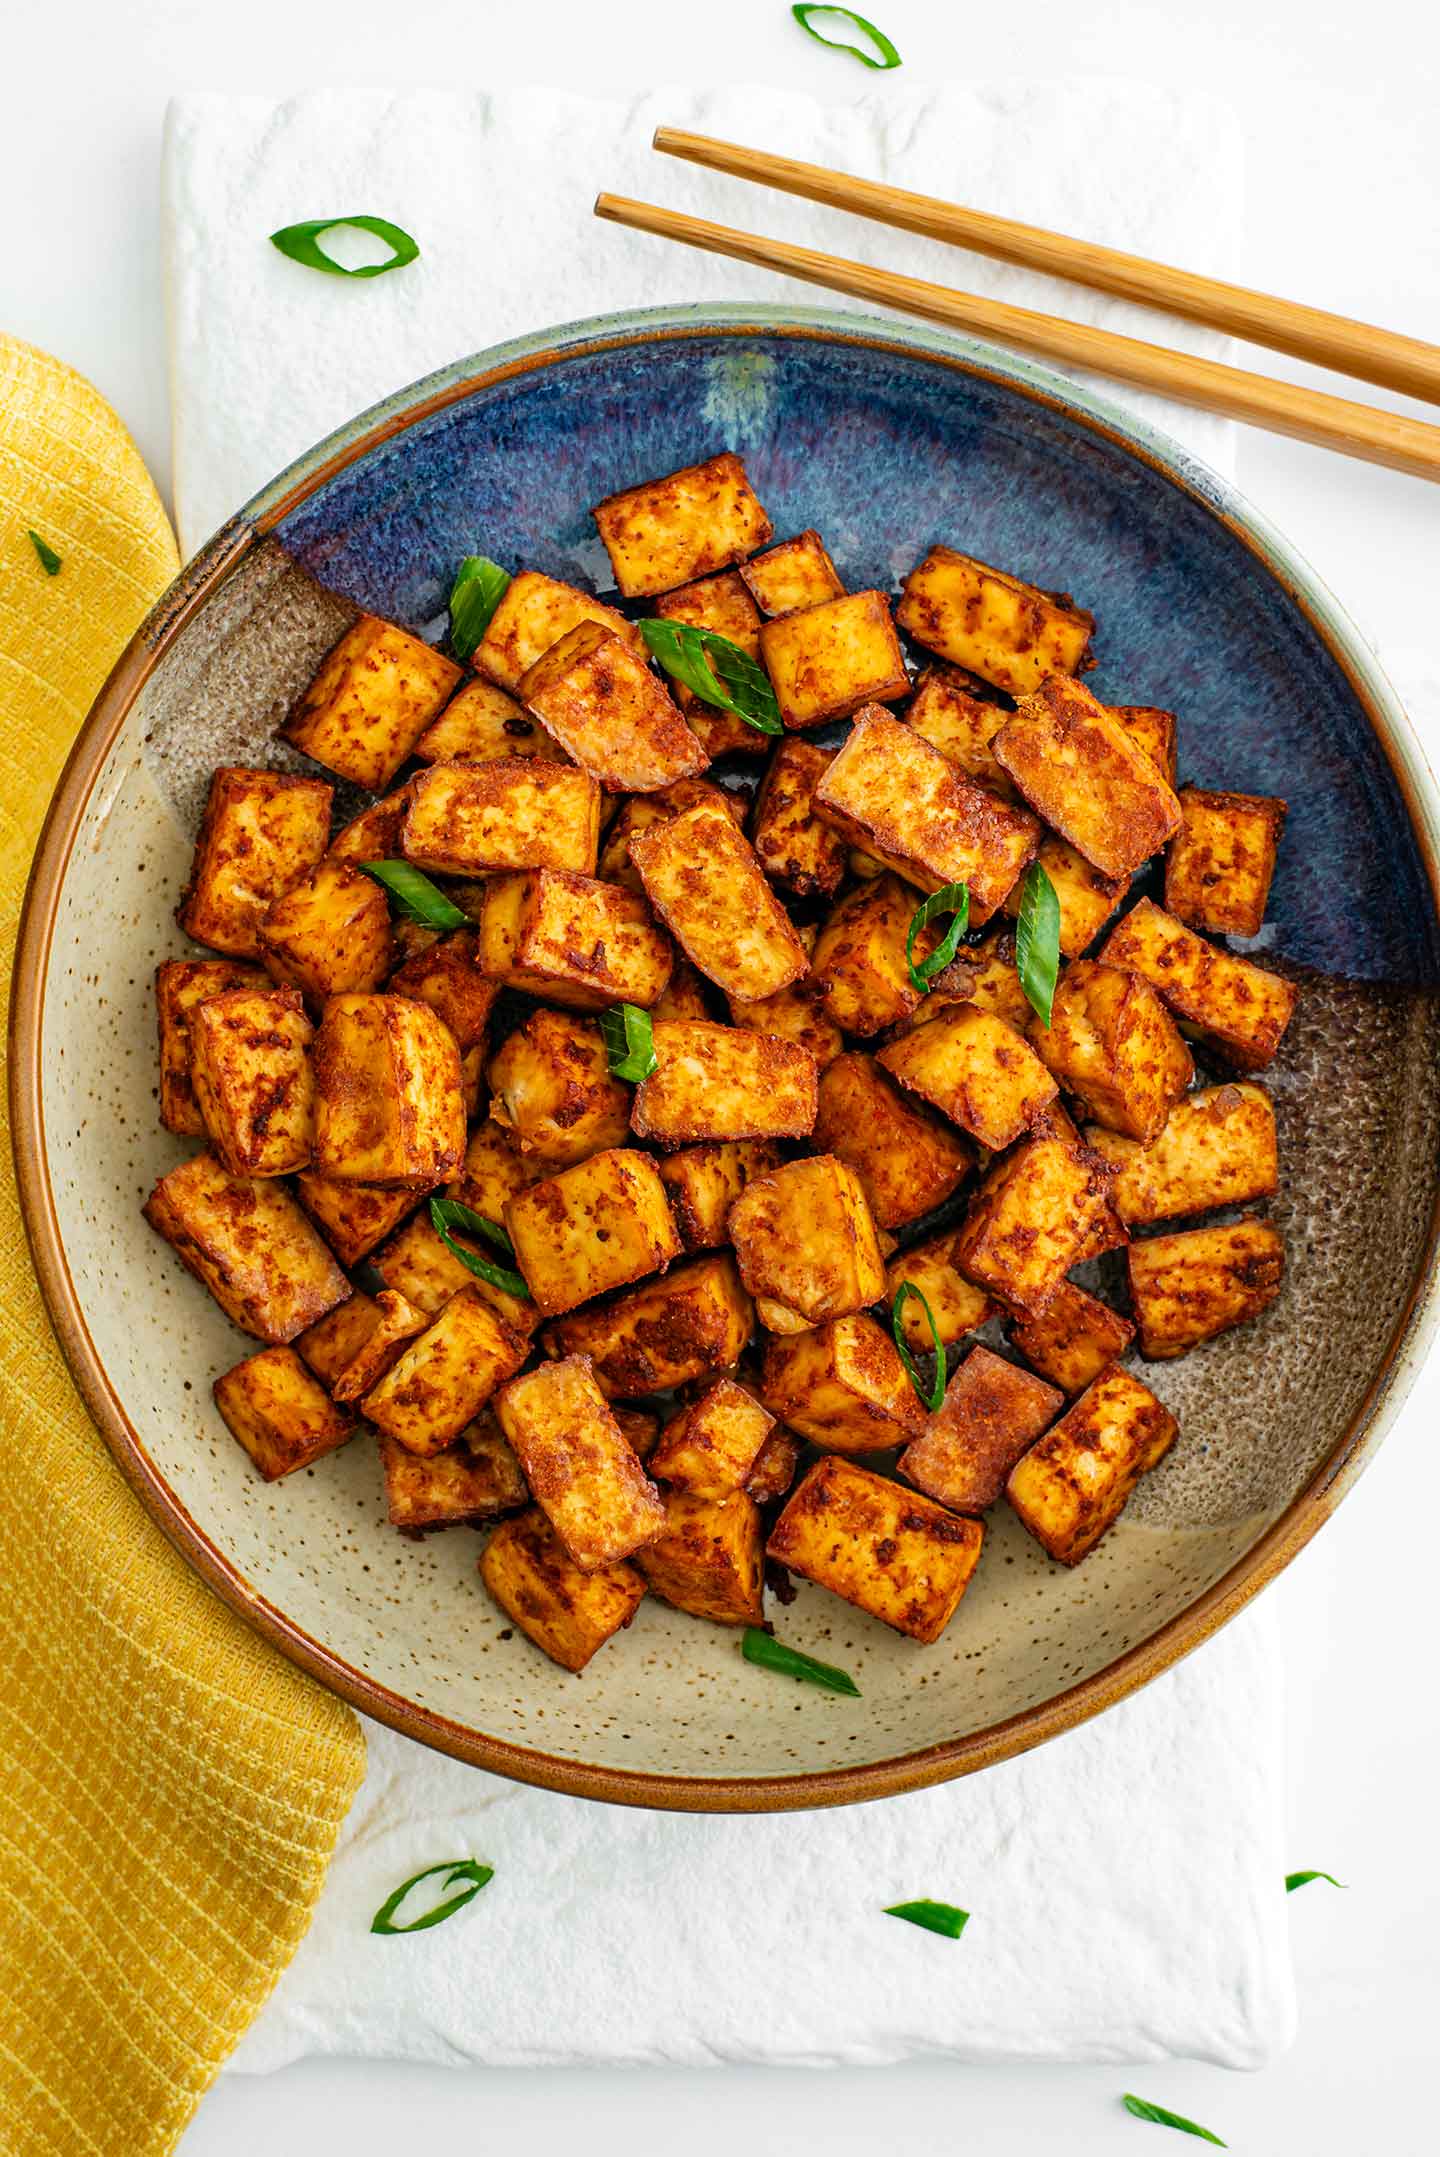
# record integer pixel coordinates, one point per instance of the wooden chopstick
(1406, 364)
(1307, 415)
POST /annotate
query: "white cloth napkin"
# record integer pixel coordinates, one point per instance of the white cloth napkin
(1127, 1880)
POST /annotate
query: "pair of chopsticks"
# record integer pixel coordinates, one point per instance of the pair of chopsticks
(1404, 364)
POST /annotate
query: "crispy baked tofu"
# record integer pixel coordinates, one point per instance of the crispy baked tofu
(534, 613)
(991, 1412)
(669, 531)
(261, 832)
(1075, 1482)
(1156, 731)
(641, 1429)
(566, 1613)
(704, 881)
(638, 810)
(1112, 1043)
(1086, 898)
(585, 1476)
(827, 661)
(251, 1072)
(396, 1322)
(696, 1320)
(1073, 1339)
(792, 844)
(975, 1069)
(1218, 869)
(480, 723)
(573, 940)
(887, 1550)
(181, 985)
(1085, 774)
(988, 979)
(859, 956)
(598, 697)
(373, 835)
(596, 1226)
(907, 1159)
(520, 812)
(280, 1414)
(961, 726)
(804, 1239)
(458, 1488)
(1218, 1148)
(775, 1467)
(493, 1170)
(711, 1446)
(724, 1082)
(373, 698)
(722, 604)
(1187, 1287)
(703, 1183)
(957, 1305)
(354, 1217)
(1033, 1217)
(1232, 1006)
(443, 1377)
(422, 1267)
(799, 1014)
(246, 1240)
(710, 1560)
(388, 1104)
(796, 574)
(447, 977)
(334, 1341)
(330, 933)
(843, 1385)
(551, 1090)
(1009, 633)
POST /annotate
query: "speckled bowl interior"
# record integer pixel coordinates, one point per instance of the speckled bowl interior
(884, 439)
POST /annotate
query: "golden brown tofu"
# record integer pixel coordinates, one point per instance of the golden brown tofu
(1187, 1287)
(494, 1169)
(444, 1377)
(1218, 1148)
(641, 1429)
(334, 1341)
(791, 843)
(608, 711)
(583, 1472)
(711, 1446)
(1226, 1002)
(1218, 869)
(1087, 899)
(1033, 1216)
(798, 1014)
(280, 1414)
(961, 726)
(721, 604)
(534, 613)
(710, 1561)
(723, 1082)
(671, 530)
(703, 1183)
(330, 933)
(907, 1159)
(796, 574)
(685, 996)
(977, 1071)
(371, 701)
(247, 1241)
(843, 1385)
(480, 723)
(1074, 1338)
(956, 1305)
(596, 1226)
(775, 1467)
(827, 661)
(859, 956)
(1010, 634)
(373, 835)
(388, 1105)
(566, 1613)
(573, 940)
(1085, 774)
(251, 1072)
(453, 1489)
(423, 1268)
(1112, 1044)
(181, 985)
(1075, 1482)
(991, 1412)
(1157, 733)
(804, 1238)
(354, 1217)
(447, 977)
(704, 881)
(887, 1550)
(261, 832)
(396, 1322)
(640, 810)
(987, 977)
(889, 791)
(519, 812)
(697, 1319)
(551, 1089)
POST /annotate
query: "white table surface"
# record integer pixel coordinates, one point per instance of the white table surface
(1337, 107)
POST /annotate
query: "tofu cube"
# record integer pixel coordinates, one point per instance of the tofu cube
(804, 1238)
(251, 1071)
(641, 1429)
(447, 977)
(608, 711)
(1232, 1006)
(444, 1377)
(987, 978)
(724, 1082)
(686, 994)
(261, 832)
(723, 604)
(710, 1448)
(1218, 1148)
(396, 1322)
(535, 612)
(859, 956)
(798, 1014)
(519, 812)
(330, 933)
(453, 1489)
(1083, 772)
(640, 810)
(992, 1411)
(1221, 861)
(373, 835)
(843, 1385)
(388, 1105)
(1187, 1287)
(796, 574)
(1156, 732)
(281, 1415)
(671, 530)
(907, 1160)
(827, 661)
(957, 1305)
(696, 1320)
(494, 1169)
(704, 881)
(702, 1183)
(1032, 1217)
(334, 1341)
(887, 1550)
(354, 1217)
(1009, 633)
(1112, 1044)
(775, 1468)
(976, 1070)
(482, 723)
(793, 846)
(373, 698)
(596, 1226)
(421, 1267)
(552, 1092)
(710, 1560)
(1075, 1482)
(1086, 898)
(181, 985)
(962, 726)
(1074, 1339)
(583, 1472)
(566, 1613)
(246, 1240)
(573, 940)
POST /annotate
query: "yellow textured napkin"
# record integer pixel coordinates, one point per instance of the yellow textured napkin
(170, 1788)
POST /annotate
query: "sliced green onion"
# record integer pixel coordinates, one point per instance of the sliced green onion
(889, 57)
(763, 1648)
(448, 1213)
(934, 1916)
(949, 899)
(49, 559)
(302, 244)
(715, 669)
(629, 1041)
(1037, 941)
(1140, 2108)
(479, 587)
(417, 898)
(933, 1395)
(1303, 1879)
(464, 1868)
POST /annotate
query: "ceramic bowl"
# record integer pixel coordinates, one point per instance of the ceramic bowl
(884, 438)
